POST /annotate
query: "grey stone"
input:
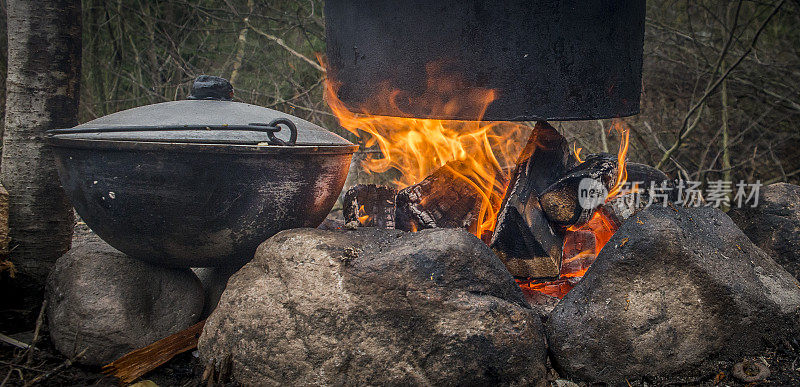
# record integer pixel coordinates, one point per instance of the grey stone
(214, 280)
(373, 307)
(674, 291)
(109, 304)
(774, 225)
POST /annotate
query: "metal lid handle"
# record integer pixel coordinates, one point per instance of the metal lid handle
(209, 87)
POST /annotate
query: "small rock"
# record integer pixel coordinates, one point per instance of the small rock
(686, 290)
(774, 225)
(331, 224)
(102, 301)
(375, 307)
(750, 371)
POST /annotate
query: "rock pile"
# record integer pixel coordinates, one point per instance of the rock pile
(675, 292)
(375, 307)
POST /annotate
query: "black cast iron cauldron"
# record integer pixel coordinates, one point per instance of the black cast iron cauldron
(199, 182)
(546, 59)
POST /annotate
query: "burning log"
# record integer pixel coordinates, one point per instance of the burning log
(573, 198)
(445, 199)
(523, 238)
(590, 220)
(579, 247)
(371, 205)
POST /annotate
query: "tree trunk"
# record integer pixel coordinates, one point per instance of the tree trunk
(42, 92)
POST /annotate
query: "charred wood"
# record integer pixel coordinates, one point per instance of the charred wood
(445, 199)
(573, 199)
(370, 205)
(523, 238)
(650, 187)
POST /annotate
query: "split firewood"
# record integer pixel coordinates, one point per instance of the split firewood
(143, 360)
(370, 205)
(579, 252)
(523, 238)
(445, 199)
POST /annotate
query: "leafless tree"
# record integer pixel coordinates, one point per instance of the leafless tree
(42, 92)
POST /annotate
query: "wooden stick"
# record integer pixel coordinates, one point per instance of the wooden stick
(14, 342)
(39, 322)
(143, 360)
(54, 371)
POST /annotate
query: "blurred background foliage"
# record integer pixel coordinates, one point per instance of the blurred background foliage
(746, 126)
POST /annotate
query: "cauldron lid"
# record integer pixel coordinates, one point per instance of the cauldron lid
(210, 120)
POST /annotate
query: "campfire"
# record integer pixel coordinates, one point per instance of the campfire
(519, 196)
(489, 249)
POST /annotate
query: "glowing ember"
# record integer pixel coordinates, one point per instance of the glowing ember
(416, 147)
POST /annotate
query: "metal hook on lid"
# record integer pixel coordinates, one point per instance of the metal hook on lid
(276, 123)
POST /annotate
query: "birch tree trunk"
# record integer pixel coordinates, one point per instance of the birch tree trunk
(42, 92)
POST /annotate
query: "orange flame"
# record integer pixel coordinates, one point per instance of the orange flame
(416, 147)
(363, 219)
(576, 151)
(622, 157)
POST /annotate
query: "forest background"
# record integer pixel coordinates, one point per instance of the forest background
(721, 80)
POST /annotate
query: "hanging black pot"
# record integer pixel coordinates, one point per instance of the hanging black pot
(546, 59)
(200, 182)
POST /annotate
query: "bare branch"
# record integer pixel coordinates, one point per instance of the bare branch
(281, 43)
(685, 130)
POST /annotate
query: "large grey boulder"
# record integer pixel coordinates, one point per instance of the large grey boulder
(673, 291)
(102, 301)
(374, 307)
(774, 225)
